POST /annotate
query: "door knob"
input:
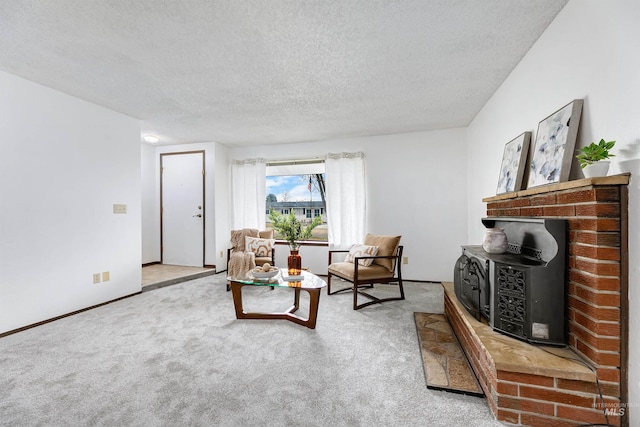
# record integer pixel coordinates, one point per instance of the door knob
(199, 216)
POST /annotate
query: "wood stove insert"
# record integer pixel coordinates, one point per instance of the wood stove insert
(522, 292)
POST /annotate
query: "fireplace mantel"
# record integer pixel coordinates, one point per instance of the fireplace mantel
(622, 179)
(596, 210)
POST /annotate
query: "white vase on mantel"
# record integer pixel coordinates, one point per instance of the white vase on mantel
(596, 169)
(495, 241)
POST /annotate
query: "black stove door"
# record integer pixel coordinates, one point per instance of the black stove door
(469, 281)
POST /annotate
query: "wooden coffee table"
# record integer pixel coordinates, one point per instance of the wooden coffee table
(309, 283)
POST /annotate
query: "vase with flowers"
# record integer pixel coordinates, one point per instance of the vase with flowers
(291, 229)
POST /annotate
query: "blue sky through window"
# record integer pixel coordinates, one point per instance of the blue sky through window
(297, 187)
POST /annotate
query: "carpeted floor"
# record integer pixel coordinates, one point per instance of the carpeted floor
(177, 356)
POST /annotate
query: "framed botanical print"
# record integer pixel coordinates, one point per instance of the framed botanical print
(513, 164)
(552, 152)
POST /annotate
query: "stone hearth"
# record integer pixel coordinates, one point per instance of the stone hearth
(524, 383)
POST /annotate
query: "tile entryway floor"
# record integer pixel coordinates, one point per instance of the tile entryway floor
(159, 275)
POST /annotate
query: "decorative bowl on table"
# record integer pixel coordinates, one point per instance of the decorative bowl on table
(259, 273)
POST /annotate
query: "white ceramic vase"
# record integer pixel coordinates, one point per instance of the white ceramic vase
(596, 169)
(495, 241)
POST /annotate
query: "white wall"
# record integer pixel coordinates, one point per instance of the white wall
(222, 203)
(415, 188)
(589, 52)
(64, 163)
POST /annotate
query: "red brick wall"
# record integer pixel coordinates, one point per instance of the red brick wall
(596, 288)
(529, 399)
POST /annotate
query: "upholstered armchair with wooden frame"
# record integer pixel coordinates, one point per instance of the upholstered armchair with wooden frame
(378, 260)
(250, 248)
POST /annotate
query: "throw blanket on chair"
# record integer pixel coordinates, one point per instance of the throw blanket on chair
(240, 264)
(241, 261)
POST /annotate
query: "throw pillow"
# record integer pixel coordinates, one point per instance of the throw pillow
(361, 250)
(260, 247)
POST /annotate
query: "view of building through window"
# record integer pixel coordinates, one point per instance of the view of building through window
(302, 194)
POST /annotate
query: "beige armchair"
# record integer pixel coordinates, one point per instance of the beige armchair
(378, 260)
(249, 248)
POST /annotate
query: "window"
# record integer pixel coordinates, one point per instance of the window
(297, 186)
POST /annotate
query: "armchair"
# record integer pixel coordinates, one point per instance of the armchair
(378, 260)
(249, 248)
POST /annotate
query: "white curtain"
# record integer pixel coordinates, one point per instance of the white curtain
(248, 184)
(346, 199)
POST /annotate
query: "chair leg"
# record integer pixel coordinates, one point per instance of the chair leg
(329, 292)
(374, 299)
(355, 296)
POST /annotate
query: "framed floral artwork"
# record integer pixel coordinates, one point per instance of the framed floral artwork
(513, 164)
(552, 152)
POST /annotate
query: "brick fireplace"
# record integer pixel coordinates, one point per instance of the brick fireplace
(540, 386)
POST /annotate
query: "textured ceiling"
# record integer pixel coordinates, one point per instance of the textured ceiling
(243, 72)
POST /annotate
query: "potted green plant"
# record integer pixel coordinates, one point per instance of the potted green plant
(290, 227)
(594, 158)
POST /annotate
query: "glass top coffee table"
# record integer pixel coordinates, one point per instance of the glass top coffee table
(307, 282)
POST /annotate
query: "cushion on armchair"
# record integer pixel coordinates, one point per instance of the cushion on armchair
(247, 247)
(347, 270)
(361, 250)
(387, 246)
(260, 247)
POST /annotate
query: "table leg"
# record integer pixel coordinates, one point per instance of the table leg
(296, 299)
(310, 322)
(314, 300)
(236, 291)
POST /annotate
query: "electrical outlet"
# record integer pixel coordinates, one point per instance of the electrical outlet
(106, 276)
(405, 260)
(119, 208)
(96, 278)
(221, 254)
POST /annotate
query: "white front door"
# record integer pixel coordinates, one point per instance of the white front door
(182, 208)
